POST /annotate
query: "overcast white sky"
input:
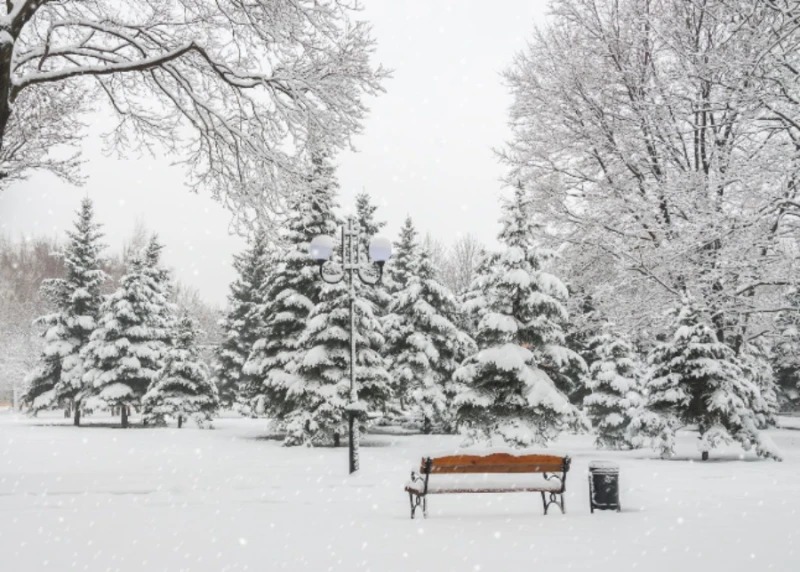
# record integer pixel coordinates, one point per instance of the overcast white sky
(426, 149)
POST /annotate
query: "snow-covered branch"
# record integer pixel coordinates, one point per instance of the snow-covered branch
(232, 88)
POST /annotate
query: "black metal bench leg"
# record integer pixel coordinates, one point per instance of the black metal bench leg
(416, 501)
(556, 499)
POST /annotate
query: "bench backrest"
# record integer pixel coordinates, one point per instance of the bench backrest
(495, 463)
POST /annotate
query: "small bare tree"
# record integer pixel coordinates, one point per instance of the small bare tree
(455, 265)
(464, 256)
(231, 87)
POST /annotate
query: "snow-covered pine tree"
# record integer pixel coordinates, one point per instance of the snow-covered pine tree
(288, 297)
(614, 380)
(405, 258)
(402, 266)
(321, 394)
(757, 367)
(183, 388)
(425, 344)
(694, 379)
(77, 299)
(583, 330)
(510, 397)
(365, 214)
(127, 350)
(242, 325)
(473, 302)
(786, 353)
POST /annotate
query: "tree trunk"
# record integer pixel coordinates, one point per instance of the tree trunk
(336, 440)
(124, 416)
(6, 52)
(705, 455)
(180, 421)
(77, 419)
(427, 426)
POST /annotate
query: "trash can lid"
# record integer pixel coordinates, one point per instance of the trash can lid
(603, 466)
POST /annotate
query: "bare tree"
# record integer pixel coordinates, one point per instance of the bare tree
(464, 257)
(657, 138)
(231, 87)
(188, 300)
(455, 265)
(23, 266)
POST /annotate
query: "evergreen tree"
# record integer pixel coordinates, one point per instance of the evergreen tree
(127, 350)
(473, 301)
(757, 367)
(614, 382)
(365, 213)
(321, 394)
(405, 258)
(424, 344)
(76, 298)
(786, 354)
(287, 297)
(582, 333)
(510, 398)
(697, 380)
(183, 388)
(242, 325)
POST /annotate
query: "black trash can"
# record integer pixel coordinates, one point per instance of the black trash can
(604, 486)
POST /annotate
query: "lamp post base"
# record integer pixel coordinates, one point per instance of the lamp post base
(353, 430)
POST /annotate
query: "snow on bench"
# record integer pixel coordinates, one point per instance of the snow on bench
(489, 471)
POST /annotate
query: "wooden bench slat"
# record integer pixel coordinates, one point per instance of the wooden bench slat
(495, 459)
(456, 469)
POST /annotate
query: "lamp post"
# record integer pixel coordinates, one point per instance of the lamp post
(380, 249)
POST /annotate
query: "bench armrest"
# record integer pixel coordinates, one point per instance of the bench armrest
(418, 478)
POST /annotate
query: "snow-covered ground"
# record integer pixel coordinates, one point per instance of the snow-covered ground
(98, 498)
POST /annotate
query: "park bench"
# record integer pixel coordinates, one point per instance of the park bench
(450, 471)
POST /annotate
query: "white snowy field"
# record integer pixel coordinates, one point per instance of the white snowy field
(100, 498)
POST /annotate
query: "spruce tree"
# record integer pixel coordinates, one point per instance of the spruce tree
(697, 380)
(511, 398)
(614, 381)
(127, 350)
(425, 346)
(757, 367)
(183, 388)
(582, 333)
(321, 394)
(57, 378)
(786, 353)
(405, 258)
(242, 324)
(365, 213)
(473, 301)
(369, 228)
(287, 298)
(401, 268)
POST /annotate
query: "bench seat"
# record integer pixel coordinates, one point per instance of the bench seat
(442, 484)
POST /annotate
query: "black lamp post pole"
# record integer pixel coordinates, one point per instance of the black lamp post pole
(351, 264)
